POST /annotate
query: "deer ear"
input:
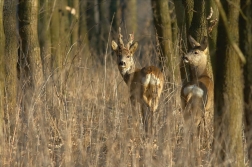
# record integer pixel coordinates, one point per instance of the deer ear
(114, 45)
(133, 47)
(193, 42)
(204, 43)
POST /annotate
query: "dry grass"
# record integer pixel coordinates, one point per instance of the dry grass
(89, 123)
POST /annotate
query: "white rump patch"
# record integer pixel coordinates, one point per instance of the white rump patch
(195, 90)
(150, 79)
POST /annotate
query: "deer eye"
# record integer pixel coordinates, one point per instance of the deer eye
(128, 57)
(195, 52)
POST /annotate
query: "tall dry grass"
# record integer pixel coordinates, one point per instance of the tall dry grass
(89, 123)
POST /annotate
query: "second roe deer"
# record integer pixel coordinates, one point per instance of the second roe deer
(197, 95)
(145, 85)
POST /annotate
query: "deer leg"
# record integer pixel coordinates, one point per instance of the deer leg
(135, 115)
(144, 118)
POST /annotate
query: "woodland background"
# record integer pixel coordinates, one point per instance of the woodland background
(64, 103)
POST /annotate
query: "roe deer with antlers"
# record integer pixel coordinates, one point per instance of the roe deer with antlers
(145, 85)
(197, 95)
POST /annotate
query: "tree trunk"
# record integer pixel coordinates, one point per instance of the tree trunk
(10, 56)
(2, 78)
(45, 46)
(245, 28)
(33, 73)
(92, 25)
(74, 22)
(129, 16)
(212, 37)
(189, 8)
(229, 91)
(168, 59)
(28, 15)
(83, 31)
(182, 38)
(162, 22)
(103, 26)
(115, 11)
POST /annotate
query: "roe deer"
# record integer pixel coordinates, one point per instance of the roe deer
(145, 85)
(197, 95)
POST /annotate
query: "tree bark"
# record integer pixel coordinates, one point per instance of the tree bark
(2, 78)
(129, 8)
(103, 26)
(245, 31)
(115, 11)
(162, 22)
(10, 56)
(28, 15)
(169, 61)
(212, 37)
(182, 38)
(45, 46)
(229, 91)
(83, 31)
(92, 25)
(189, 9)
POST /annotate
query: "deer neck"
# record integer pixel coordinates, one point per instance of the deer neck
(199, 71)
(128, 76)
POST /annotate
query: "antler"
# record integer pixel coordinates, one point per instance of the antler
(120, 39)
(131, 39)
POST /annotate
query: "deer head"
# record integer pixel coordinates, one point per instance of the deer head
(124, 54)
(197, 56)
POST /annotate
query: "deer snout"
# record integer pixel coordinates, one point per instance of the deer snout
(121, 63)
(185, 59)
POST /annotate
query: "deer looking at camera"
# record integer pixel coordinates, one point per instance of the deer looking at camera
(197, 95)
(145, 85)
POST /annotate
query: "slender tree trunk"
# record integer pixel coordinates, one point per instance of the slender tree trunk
(163, 27)
(182, 38)
(115, 10)
(46, 56)
(92, 26)
(229, 91)
(168, 59)
(245, 28)
(75, 21)
(65, 48)
(44, 36)
(189, 8)
(103, 26)
(30, 50)
(73, 56)
(55, 39)
(2, 79)
(28, 15)
(83, 32)
(212, 37)
(45, 46)
(10, 56)
(129, 8)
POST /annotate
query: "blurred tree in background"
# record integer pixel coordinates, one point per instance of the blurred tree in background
(10, 64)
(245, 32)
(229, 87)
